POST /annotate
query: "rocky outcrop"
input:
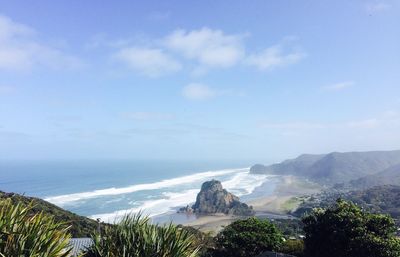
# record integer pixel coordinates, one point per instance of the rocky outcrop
(214, 199)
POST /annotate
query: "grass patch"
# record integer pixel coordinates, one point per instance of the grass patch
(291, 204)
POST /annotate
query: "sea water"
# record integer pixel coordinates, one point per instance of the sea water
(108, 189)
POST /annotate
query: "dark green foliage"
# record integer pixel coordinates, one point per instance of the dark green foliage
(289, 227)
(201, 241)
(79, 226)
(248, 237)
(380, 199)
(24, 235)
(135, 236)
(345, 230)
(293, 247)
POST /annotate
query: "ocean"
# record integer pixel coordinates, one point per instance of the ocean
(108, 189)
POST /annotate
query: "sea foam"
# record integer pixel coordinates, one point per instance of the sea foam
(202, 176)
(241, 183)
(152, 208)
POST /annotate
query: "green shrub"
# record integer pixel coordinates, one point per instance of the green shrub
(247, 238)
(135, 236)
(293, 247)
(346, 230)
(203, 241)
(24, 235)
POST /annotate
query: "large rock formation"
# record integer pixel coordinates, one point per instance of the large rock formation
(214, 199)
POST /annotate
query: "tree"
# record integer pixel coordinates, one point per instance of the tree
(346, 230)
(248, 237)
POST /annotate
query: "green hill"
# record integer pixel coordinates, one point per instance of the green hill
(390, 176)
(334, 167)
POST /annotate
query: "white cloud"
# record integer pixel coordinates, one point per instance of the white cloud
(20, 49)
(10, 29)
(147, 116)
(211, 48)
(339, 86)
(378, 6)
(195, 91)
(151, 62)
(200, 51)
(274, 57)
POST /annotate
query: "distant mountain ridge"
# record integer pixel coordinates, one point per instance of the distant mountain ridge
(298, 165)
(390, 176)
(336, 167)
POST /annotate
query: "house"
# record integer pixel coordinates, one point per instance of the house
(79, 245)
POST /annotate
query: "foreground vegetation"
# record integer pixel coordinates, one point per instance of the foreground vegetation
(135, 236)
(248, 237)
(342, 229)
(79, 226)
(23, 235)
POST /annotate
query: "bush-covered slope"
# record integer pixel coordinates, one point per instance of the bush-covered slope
(80, 226)
(379, 199)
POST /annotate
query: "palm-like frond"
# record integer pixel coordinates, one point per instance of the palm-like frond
(34, 236)
(135, 236)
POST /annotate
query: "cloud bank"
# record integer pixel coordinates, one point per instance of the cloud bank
(20, 49)
(199, 51)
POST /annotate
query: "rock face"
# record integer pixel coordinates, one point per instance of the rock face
(214, 199)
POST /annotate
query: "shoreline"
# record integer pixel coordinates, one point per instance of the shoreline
(275, 205)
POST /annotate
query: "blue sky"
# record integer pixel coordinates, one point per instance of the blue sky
(252, 80)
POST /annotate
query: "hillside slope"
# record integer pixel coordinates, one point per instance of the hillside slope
(390, 176)
(299, 165)
(334, 167)
(379, 199)
(80, 226)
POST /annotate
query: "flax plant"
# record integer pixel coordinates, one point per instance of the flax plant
(25, 235)
(135, 236)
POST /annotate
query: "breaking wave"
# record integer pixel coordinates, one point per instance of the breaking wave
(241, 182)
(202, 176)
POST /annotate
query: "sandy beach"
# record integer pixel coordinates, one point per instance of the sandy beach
(276, 205)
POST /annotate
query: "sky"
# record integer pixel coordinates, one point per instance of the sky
(198, 80)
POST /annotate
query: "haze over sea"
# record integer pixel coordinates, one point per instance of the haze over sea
(107, 189)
